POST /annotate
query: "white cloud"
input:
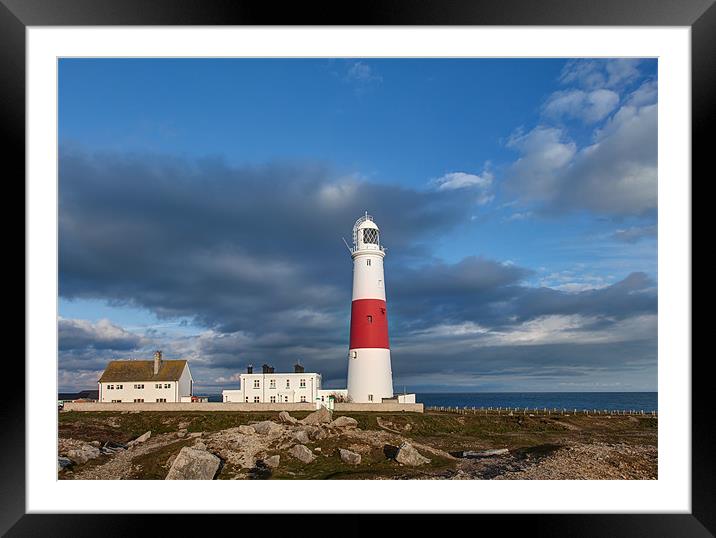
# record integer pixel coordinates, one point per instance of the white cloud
(545, 156)
(462, 180)
(479, 185)
(616, 174)
(590, 107)
(598, 73)
(363, 73)
(83, 334)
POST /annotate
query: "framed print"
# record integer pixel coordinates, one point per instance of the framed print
(509, 331)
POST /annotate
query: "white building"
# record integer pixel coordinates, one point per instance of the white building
(146, 381)
(271, 387)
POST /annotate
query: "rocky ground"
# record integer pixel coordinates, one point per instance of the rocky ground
(240, 446)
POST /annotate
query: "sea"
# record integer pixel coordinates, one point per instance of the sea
(611, 401)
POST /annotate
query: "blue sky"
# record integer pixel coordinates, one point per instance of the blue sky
(541, 169)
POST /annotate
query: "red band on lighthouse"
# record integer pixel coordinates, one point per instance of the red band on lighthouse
(369, 324)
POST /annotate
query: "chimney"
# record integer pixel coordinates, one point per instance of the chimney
(157, 361)
(297, 368)
(266, 369)
(250, 369)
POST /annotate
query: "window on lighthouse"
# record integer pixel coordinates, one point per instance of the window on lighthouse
(367, 262)
(370, 236)
(370, 319)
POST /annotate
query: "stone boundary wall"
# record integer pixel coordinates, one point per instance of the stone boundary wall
(239, 406)
(188, 406)
(379, 407)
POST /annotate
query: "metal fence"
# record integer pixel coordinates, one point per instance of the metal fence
(541, 411)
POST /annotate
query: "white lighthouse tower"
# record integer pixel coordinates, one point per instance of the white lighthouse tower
(370, 378)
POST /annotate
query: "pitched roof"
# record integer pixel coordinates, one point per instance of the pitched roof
(142, 371)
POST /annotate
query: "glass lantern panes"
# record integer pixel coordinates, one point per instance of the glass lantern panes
(370, 235)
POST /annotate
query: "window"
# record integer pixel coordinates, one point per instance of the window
(370, 319)
(167, 385)
(285, 398)
(247, 399)
(256, 399)
(157, 385)
(138, 400)
(302, 384)
(257, 383)
(303, 398)
(273, 399)
(161, 400)
(323, 398)
(367, 262)
(370, 235)
(139, 385)
(272, 384)
(370, 397)
(110, 387)
(288, 383)
(120, 386)
(116, 401)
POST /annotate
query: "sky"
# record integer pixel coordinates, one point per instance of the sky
(203, 202)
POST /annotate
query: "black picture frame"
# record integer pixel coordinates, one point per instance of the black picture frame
(17, 15)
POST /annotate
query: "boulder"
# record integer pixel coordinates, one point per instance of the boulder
(273, 461)
(266, 427)
(344, 422)
(407, 455)
(193, 464)
(83, 454)
(199, 445)
(181, 434)
(140, 439)
(301, 436)
(63, 463)
(96, 443)
(284, 417)
(302, 453)
(349, 457)
(321, 416)
(247, 430)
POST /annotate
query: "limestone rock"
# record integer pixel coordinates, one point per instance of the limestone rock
(83, 453)
(344, 422)
(284, 417)
(140, 439)
(302, 453)
(321, 416)
(273, 461)
(302, 437)
(349, 457)
(407, 455)
(266, 427)
(247, 430)
(193, 464)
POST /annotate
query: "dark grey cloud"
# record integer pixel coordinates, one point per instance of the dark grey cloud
(254, 255)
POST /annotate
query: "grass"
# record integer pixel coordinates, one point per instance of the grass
(523, 434)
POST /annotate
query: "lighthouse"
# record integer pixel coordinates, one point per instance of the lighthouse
(370, 378)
